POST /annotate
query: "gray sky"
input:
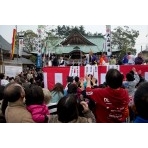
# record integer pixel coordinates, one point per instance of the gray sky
(142, 40)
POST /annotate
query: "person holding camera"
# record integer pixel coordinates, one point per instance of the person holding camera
(67, 111)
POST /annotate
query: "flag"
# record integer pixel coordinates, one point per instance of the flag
(13, 44)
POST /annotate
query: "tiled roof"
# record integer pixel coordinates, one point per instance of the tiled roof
(76, 38)
(20, 61)
(99, 41)
(83, 48)
(4, 44)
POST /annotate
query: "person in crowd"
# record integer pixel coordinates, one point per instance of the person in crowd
(3, 109)
(93, 81)
(56, 94)
(47, 96)
(55, 61)
(49, 61)
(52, 107)
(75, 90)
(141, 103)
(2, 115)
(39, 78)
(131, 59)
(92, 59)
(1, 93)
(62, 62)
(29, 75)
(142, 79)
(17, 80)
(77, 81)
(32, 81)
(11, 79)
(103, 60)
(139, 59)
(112, 60)
(111, 101)
(132, 79)
(35, 104)
(3, 81)
(67, 111)
(16, 111)
(125, 59)
(105, 57)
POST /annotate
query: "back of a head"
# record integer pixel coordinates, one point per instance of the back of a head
(130, 77)
(67, 109)
(34, 95)
(77, 79)
(58, 87)
(47, 95)
(114, 78)
(132, 72)
(13, 92)
(72, 88)
(141, 100)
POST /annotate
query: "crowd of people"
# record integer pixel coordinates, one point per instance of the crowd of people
(118, 100)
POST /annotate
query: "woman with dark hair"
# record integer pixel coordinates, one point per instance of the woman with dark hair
(112, 101)
(67, 111)
(56, 94)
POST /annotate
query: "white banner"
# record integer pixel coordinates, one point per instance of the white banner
(74, 71)
(58, 78)
(113, 67)
(45, 80)
(13, 71)
(20, 46)
(108, 40)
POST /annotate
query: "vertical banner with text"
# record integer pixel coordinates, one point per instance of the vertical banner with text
(108, 40)
(21, 36)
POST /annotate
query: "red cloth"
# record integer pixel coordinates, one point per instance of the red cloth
(111, 104)
(38, 112)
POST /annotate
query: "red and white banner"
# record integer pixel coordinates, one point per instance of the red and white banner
(53, 75)
(93, 70)
(74, 71)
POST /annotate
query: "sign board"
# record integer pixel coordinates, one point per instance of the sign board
(12, 71)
